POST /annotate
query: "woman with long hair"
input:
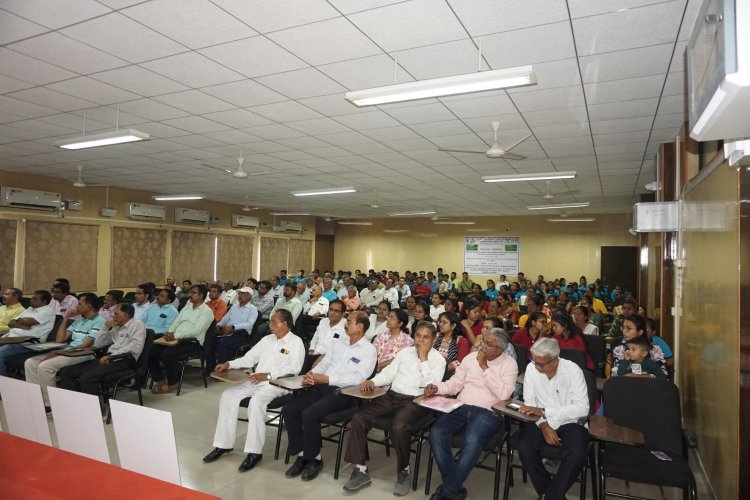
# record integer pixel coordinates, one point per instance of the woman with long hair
(635, 326)
(569, 336)
(536, 328)
(421, 313)
(581, 316)
(437, 307)
(506, 308)
(471, 324)
(450, 343)
(396, 337)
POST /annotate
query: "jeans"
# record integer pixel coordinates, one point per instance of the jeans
(10, 350)
(479, 425)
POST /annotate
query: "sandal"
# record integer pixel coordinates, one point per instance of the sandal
(165, 389)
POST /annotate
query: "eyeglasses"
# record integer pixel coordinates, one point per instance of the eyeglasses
(540, 366)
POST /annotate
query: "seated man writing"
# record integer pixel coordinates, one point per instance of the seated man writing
(81, 333)
(555, 390)
(483, 378)
(274, 356)
(412, 369)
(125, 337)
(347, 363)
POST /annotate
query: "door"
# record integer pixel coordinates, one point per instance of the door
(620, 267)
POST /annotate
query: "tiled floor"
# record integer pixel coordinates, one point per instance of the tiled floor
(194, 415)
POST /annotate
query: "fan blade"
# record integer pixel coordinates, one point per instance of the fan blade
(513, 156)
(566, 193)
(225, 170)
(261, 173)
(460, 151)
(536, 195)
(517, 143)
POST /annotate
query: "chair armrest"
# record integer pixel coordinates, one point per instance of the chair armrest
(603, 429)
(120, 357)
(189, 340)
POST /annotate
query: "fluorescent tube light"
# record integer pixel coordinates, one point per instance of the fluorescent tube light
(290, 213)
(354, 223)
(318, 192)
(559, 205)
(580, 219)
(544, 176)
(394, 231)
(409, 214)
(178, 197)
(451, 85)
(103, 139)
(454, 223)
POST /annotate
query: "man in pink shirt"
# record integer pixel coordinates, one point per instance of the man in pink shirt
(484, 378)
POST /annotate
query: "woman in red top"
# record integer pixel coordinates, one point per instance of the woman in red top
(471, 323)
(569, 336)
(536, 328)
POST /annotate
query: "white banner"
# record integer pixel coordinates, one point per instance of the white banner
(491, 255)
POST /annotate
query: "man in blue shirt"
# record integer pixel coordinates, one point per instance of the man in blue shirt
(160, 316)
(232, 331)
(81, 333)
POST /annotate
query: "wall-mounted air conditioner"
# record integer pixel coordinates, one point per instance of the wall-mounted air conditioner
(291, 226)
(28, 198)
(142, 211)
(245, 221)
(191, 216)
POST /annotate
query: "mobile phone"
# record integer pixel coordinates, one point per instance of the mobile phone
(514, 406)
(661, 456)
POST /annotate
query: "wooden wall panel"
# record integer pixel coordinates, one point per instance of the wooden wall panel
(60, 250)
(7, 252)
(235, 257)
(138, 256)
(274, 254)
(192, 256)
(300, 256)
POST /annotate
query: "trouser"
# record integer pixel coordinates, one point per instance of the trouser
(304, 413)
(229, 406)
(86, 377)
(574, 450)
(479, 425)
(404, 413)
(10, 350)
(219, 348)
(168, 355)
(43, 370)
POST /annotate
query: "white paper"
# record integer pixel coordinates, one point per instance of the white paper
(145, 441)
(78, 423)
(24, 410)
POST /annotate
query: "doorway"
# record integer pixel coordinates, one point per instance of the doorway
(619, 266)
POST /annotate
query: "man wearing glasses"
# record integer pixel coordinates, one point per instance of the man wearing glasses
(555, 390)
(483, 378)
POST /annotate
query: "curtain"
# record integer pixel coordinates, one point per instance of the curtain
(60, 250)
(7, 252)
(235, 257)
(138, 256)
(273, 256)
(192, 256)
(300, 256)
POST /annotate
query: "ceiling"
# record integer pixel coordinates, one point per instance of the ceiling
(208, 79)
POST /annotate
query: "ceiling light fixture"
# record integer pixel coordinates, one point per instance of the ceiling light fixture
(409, 214)
(290, 213)
(394, 231)
(451, 85)
(543, 176)
(581, 219)
(454, 222)
(103, 139)
(582, 204)
(354, 223)
(318, 192)
(178, 197)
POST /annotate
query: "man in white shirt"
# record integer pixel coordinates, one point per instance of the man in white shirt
(390, 293)
(36, 321)
(274, 356)
(277, 289)
(330, 329)
(142, 300)
(303, 294)
(404, 290)
(503, 282)
(555, 390)
(372, 296)
(411, 371)
(346, 364)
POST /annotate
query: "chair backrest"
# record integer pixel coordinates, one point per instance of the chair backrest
(522, 357)
(141, 366)
(52, 333)
(590, 378)
(129, 297)
(597, 348)
(651, 406)
(576, 356)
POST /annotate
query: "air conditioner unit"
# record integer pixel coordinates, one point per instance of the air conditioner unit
(245, 221)
(291, 226)
(191, 216)
(28, 198)
(142, 211)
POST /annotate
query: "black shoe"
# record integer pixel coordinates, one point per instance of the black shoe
(251, 460)
(312, 469)
(48, 410)
(462, 494)
(297, 467)
(215, 454)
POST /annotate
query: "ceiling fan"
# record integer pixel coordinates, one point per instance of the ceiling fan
(495, 150)
(79, 182)
(240, 172)
(549, 195)
(247, 207)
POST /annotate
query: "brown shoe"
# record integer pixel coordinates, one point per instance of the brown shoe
(165, 389)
